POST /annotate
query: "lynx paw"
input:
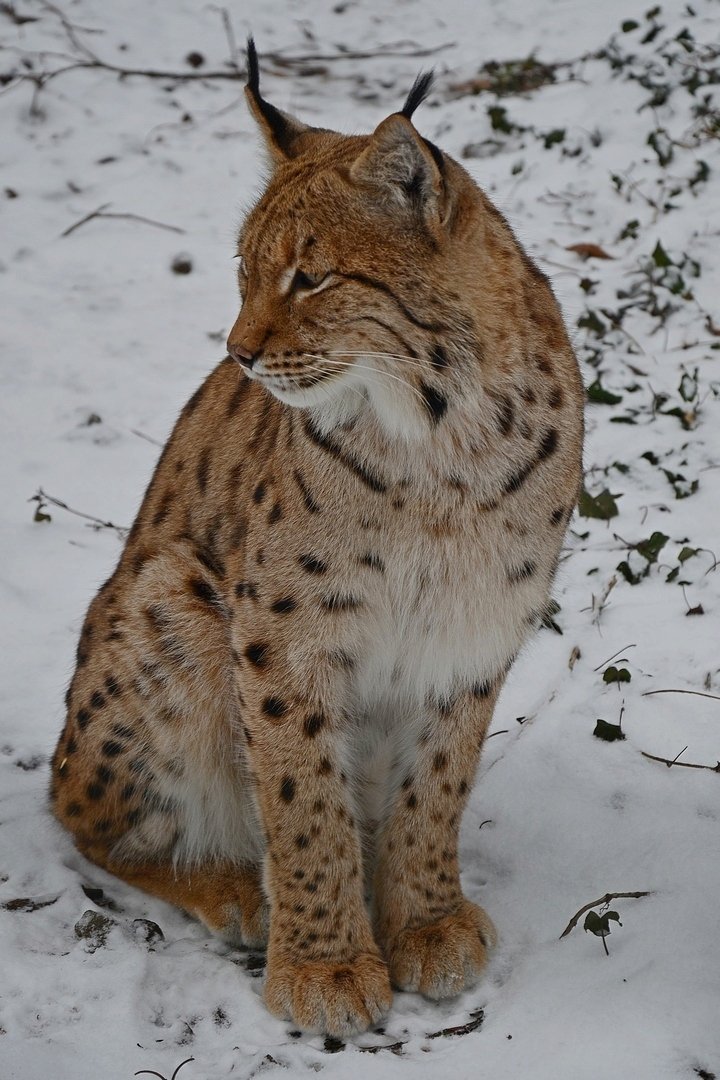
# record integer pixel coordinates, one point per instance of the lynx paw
(445, 957)
(331, 999)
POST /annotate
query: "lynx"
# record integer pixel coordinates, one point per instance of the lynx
(282, 692)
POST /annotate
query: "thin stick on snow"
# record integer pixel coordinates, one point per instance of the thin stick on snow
(696, 693)
(600, 903)
(42, 498)
(684, 764)
(102, 212)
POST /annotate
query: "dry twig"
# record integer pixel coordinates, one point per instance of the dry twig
(43, 499)
(102, 212)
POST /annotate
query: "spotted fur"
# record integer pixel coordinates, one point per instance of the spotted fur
(282, 691)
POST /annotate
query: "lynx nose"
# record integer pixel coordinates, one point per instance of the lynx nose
(242, 355)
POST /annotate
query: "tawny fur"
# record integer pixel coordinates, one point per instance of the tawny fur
(282, 692)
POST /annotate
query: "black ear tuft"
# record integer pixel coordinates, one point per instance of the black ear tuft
(253, 70)
(419, 91)
(280, 126)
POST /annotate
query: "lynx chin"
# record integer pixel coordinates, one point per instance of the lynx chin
(282, 692)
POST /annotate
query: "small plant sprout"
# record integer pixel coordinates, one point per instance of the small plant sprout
(598, 923)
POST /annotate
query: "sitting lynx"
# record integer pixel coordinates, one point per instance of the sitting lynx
(282, 692)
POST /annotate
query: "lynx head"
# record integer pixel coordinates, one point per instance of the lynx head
(350, 265)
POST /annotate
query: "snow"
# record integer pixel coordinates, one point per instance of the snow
(101, 345)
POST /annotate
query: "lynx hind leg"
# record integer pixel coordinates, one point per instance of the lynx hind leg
(149, 774)
(225, 897)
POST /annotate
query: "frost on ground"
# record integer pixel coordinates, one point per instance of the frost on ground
(596, 130)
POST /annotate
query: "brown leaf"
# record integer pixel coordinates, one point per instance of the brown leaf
(589, 251)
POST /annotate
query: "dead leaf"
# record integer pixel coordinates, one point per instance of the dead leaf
(589, 251)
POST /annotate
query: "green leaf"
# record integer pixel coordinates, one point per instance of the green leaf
(629, 24)
(608, 732)
(651, 548)
(628, 573)
(602, 506)
(557, 135)
(616, 675)
(600, 924)
(39, 514)
(660, 256)
(591, 321)
(687, 553)
(598, 395)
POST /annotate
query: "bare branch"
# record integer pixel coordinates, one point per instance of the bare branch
(102, 212)
(683, 764)
(42, 499)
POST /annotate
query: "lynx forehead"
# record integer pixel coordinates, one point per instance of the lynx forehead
(282, 691)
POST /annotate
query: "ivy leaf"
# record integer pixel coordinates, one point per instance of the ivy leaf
(660, 256)
(687, 553)
(616, 675)
(608, 732)
(651, 548)
(598, 395)
(628, 573)
(602, 506)
(600, 924)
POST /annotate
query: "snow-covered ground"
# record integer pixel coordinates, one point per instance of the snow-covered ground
(102, 343)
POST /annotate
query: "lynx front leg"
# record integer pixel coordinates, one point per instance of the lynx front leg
(434, 940)
(325, 971)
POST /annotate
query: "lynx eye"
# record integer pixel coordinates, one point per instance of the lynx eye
(303, 282)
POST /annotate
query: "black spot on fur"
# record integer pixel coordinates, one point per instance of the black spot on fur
(274, 706)
(548, 445)
(257, 653)
(275, 514)
(314, 723)
(438, 358)
(555, 398)
(440, 762)
(287, 789)
(104, 774)
(482, 689)
(505, 415)
(112, 686)
(557, 516)
(284, 605)
(95, 791)
(202, 471)
(302, 841)
(338, 602)
(204, 591)
(434, 401)
(112, 748)
(373, 562)
(210, 561)
(310, 505)
(259, 493)
(411, 801)
(312, 564)
(83, 717)
(73, 809)
(97, 700)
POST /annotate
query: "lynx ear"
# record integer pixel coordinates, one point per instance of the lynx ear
(285, 136)
(403, 164)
